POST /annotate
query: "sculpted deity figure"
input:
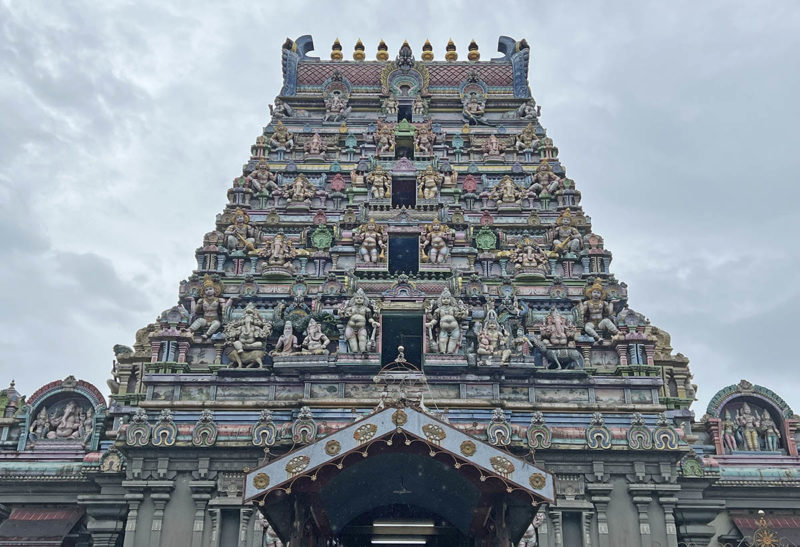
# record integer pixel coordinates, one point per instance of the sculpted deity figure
(418, 107)
(565, 237)
(336, 108)
(424, 138)
(526, 139)
(522, 344)
(281, 109)
(528, 256)
(384, 138)
(315, 146)
(597, 313)
(728, 430)
(390, 104)
(359, 311)
(544, 180)
(41, 425)
(315, 342)
(436, 237)
(262, 179)
(750, 424)
(770, 431)
(240, 236)
(428, 183)
(67, 425)
(492, 338)
(287, 342)
(372, 240)
(506, 191)
(492, 147)
(444, 331)
(474, 108)
(380, 182)
(247, 333)
(279, 251)
(557, 330)
(300, 190)
(208, 310)
(528, 111)
(281, 138)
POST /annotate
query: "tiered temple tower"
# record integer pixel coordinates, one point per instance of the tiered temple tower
(401, 315)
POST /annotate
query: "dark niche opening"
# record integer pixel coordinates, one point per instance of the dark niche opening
(404, 113)
(401, 329)
(403, 254)
(404, 193)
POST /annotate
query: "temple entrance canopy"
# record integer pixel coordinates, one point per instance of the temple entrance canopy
(401, 457)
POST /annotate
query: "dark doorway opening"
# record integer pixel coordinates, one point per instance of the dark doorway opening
(404, 113)
(404, 193)
(404, 148)
(401, 329)
(403, 524)
(403, 254)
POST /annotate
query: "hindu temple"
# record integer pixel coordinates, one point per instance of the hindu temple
(401, 329)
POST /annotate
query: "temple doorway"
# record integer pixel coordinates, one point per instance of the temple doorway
(402, 524)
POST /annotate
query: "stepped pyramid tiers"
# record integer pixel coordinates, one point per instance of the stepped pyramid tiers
(402, 315)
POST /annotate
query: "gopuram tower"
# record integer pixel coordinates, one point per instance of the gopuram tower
(401, 329)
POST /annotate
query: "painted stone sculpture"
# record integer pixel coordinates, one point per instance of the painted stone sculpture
(371, 239)
(208, 310)
(443, 317)
(437, 239)
(566, 239)
(360, 315)
(428, 182)
(380, 182)
(247, 336)
(598, 315)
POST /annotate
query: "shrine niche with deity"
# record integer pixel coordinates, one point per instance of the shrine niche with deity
(400, 328)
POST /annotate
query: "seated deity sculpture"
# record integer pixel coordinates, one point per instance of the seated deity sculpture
(557, 330)
(544, 181)
(528, 256)
(526, 139)
(360, 314)
(474, 108)
(528, 111)
(565, 237)
(371, 239)
(437, 239)
(493, 339)
(380, 182)
(208, 310)
(315, 146)
(492, 147)
(384, 138)
(300, 190)
(390, 104)
(240, 236)
(287, 341)
(507, 192)
(336, 108)
(281, 109)
(424, 138)
(598, 315)
(247, 336)
(279, 252)
(315, 341)
(262, 179)
(428, 183)
(41, 425)
(67, 425)
(281, 138)
(444, 329)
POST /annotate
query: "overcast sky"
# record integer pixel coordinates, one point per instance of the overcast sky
(123, 123)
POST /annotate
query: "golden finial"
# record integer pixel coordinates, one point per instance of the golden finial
(383, 52)
(465, 130)
(336, 51)
(473, 54)
(427, 51)
(451, 54)
(343, 128)
(358, 52)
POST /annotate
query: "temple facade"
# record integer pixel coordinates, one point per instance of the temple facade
(401, 329)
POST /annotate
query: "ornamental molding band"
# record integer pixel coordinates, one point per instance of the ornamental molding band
(280, 472)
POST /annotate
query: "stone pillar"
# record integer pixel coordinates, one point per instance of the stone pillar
(558, 533)
(600, 498)
(245, 513)
(668, 504)
(201, 493)
(587, 528)
(642, 503)
(544, 533)
(160, 500)
(133, 499)
(216, 522)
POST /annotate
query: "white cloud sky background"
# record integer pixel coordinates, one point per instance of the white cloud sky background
(123, 123)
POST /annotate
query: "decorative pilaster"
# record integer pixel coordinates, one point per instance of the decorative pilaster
(642, 503)
(134, 500)
(668, 504)
(587, 528)
(245, 513)
(201, 493)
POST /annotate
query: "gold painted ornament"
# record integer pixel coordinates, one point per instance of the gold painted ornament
(399, 417)
(261, 481)
(468, 448)
(502, 465)
(332, 447)
(365, 433)
(297, 465)
(434, 433)
(537, 480)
